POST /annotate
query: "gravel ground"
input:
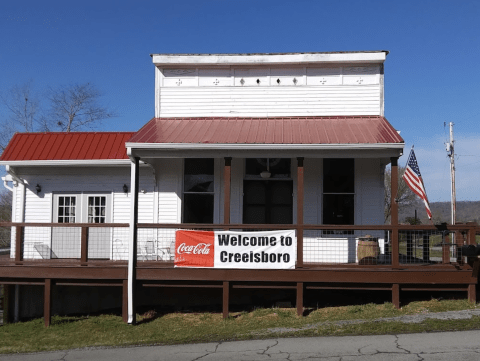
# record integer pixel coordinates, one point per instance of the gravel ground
(450, 315)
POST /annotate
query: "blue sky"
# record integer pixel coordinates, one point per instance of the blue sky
(432, 74)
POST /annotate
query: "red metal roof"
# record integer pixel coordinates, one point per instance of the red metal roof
(277, 130)
(67, 146)
(202, 130)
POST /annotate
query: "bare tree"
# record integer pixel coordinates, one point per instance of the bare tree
(23, 110)
(405, 196)
(76, 107)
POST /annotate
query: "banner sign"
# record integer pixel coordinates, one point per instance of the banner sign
(230, 249)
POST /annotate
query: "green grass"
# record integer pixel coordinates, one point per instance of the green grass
(175, 328)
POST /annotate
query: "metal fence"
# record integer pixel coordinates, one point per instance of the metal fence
(5, 237)
(318, 244)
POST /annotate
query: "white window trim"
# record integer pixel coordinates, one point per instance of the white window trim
(81, 214)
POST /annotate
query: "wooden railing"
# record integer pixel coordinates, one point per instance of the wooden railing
(403, 240)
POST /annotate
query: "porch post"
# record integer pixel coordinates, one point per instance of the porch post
(300, 212)
(132, 244)
(19, 245)
(300, 298)
(396, 295)
(227, 176)
(47, 303)
(394, 212)
(84, 247)
(226, 298)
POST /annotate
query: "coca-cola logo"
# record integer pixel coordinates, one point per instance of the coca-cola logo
(201, 248)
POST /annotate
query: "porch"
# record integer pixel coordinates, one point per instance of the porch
(413, 258)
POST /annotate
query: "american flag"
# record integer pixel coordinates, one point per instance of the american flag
(413, 178)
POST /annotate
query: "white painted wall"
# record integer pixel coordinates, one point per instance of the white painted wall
(265, 91)
(160, 200)
(83, 180)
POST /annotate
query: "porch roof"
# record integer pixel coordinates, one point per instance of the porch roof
(293, 131)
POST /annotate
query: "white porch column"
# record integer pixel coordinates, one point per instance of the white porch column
(132, 244)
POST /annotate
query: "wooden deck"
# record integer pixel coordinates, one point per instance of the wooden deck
(448, 274)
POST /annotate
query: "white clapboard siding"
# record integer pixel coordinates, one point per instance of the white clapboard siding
(370, 193)
(270, 101)
(37, 210)
(169, 178)
(108, 181)
(18, 201)
(236, 192)
(368, 210)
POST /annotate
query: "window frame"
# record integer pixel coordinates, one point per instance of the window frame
(81, 211)
(210, 193)
(339, 193)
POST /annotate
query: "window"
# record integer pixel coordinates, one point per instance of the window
(338, 191)
(267, 191)
(198, 190)
(97, 209)
(66, 210)
(81, 208)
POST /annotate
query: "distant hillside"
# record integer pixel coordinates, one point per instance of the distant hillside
(466, 212)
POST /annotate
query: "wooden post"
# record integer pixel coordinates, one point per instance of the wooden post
(300, 298)
(7, 291)
(472, 293)
(446, 249)
(84, 247)
(227, 176)
(394, 213)
(472, 230)
(18, 245)
(226, 298)
(125, 301)
(396, 295)
(132, 246)
(47, 303)
(300, 193)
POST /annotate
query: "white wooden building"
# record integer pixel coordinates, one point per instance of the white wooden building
(263, 111)
(241, 142)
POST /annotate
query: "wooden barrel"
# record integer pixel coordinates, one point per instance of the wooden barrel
(367, 250)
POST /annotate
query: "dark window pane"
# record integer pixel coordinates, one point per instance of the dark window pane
(281, 215)
(199, 175)
(198, 208)
(338, 209)
(268, 202)
(254, 192)
(254, 214)
(338, 176)
(281, 193)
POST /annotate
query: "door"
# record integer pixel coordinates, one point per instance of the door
(81, 208)
(66, 240)
(268, 201)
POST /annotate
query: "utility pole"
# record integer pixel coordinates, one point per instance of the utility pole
(451, 154)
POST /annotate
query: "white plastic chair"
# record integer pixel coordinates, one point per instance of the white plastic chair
(148, 250)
